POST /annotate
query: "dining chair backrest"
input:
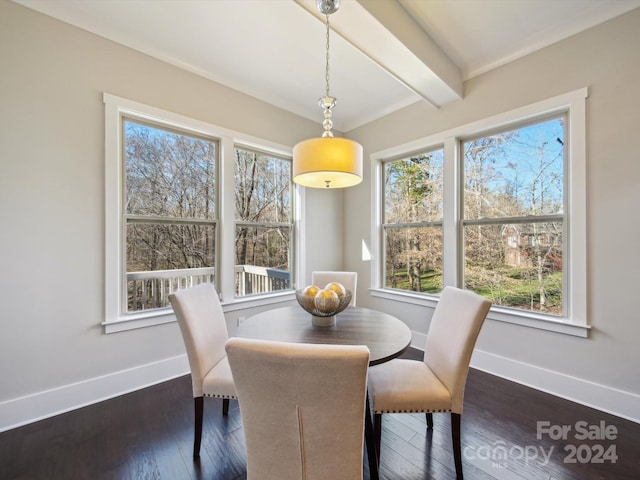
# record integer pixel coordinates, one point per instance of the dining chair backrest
(348, 279)
(454, 328)
(302, 408)
(204, 329)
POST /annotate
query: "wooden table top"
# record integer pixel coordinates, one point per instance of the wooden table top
(386, 336)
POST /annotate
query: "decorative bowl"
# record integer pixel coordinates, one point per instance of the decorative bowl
(323, 310)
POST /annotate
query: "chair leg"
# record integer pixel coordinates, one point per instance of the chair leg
(225, 406)
(429, 416)
(377, 432)
(198, 404)
(457, 450)
(372, 452)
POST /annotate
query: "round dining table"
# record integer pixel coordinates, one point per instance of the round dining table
(386, 337)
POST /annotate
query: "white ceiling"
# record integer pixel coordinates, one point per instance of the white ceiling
(384, 54)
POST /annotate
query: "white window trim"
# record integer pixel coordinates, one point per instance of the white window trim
(575, 321)
(115, 268)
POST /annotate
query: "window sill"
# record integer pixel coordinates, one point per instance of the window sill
(499, 314)
(139, 320)
(165, 315)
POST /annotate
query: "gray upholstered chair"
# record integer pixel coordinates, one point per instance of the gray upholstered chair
(348, 279)
(302, 407)
(436, 384)
(204, 331)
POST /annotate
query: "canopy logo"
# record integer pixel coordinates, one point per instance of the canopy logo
(499, 453)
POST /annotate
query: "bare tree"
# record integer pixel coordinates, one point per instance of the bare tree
(263, 206)
(170, 186)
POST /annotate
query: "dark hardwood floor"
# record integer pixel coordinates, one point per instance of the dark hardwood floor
(148, 434)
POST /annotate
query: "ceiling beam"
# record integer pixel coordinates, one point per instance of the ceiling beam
(389, 36)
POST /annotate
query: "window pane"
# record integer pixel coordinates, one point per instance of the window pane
(162, 258)
(169, 247)
(262, 187)
(515, 173)
(413, 188)
(262, 259)
(168, 174)
(262, 197)
(516, 265)
(414, 259)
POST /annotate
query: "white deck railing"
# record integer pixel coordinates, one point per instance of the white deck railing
(150, 290)
(252, 280)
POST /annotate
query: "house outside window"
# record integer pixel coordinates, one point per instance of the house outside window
(514, 189)
(510, 219)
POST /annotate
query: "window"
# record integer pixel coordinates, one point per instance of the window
(412, 223)
(263, 222)
(185, 204)
(513, 216)
(170, 212)
(498, 207)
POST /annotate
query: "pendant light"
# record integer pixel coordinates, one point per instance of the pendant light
(327, 161)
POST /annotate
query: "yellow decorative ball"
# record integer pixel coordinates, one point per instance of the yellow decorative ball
(336, 287)
(309, 295)
(326, 300)
(311, 290)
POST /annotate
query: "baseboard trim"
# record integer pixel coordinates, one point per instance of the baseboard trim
(38, 406)
(601, 397)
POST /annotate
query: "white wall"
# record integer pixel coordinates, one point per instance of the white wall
(53, 352)
(324, 221)
(603, 369)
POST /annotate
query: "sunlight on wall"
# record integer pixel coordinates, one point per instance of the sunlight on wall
(366, 254)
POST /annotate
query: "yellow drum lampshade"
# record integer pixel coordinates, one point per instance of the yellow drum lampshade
(327, 162)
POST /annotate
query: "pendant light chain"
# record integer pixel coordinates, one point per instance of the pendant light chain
(326, 75)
